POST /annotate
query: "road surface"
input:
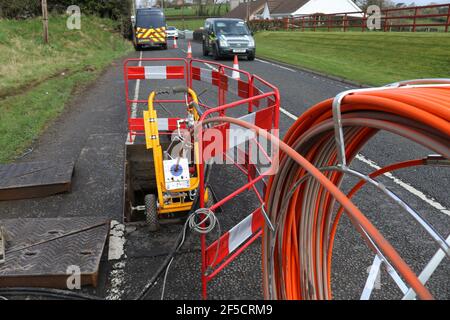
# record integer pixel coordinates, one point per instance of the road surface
(93, 131)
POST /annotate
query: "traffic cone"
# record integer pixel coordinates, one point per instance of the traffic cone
(189, 52)
(175, 45)
(236, 75)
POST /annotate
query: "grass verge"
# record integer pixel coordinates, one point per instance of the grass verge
(368, 58)
(36, 81)
(187, 24)
(210, 10)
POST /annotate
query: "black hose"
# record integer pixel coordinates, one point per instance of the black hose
(152, 282)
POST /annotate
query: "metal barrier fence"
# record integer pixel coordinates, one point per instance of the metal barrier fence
(232, 93)
(431, 18)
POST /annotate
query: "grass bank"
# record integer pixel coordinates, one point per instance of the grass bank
(37, 80)
(368, 58)
(208, 10)
(187, 24)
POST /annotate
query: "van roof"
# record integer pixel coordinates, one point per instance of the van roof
(149, 9)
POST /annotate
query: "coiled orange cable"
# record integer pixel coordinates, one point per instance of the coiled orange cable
(297, 260)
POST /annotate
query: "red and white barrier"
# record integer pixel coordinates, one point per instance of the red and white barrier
(233, 239)
(155, 72)
(169, 124)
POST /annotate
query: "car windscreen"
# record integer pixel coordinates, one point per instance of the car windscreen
(171, 28)
(231, 28)
(150, 20)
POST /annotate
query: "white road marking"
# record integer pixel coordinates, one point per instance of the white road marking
(136, 92)
(116, 241)
(116, 252)
(290, 115)
(432, 202)
(117, 276)
(276, 65)
(211, 67)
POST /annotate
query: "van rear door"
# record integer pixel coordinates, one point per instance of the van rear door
(151, 27)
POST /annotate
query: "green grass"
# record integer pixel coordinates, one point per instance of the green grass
(37, 81)
(193, 11)
(188, 24)
(369, 58)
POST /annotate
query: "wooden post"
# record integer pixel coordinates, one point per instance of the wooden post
(386, 21)
(45, 20)
(182, 14)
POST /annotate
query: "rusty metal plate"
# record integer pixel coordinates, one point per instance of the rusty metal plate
(40, 252)
(34, 179)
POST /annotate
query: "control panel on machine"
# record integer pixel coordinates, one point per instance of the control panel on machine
(176, 174)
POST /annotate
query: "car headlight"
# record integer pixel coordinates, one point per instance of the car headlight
(251, 42)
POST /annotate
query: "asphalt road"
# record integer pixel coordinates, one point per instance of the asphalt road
(93, 131)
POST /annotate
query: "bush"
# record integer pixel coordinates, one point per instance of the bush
(20, 9)
(118, 10)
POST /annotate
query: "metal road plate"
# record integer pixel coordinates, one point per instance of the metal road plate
(34, 179)
(40, 252)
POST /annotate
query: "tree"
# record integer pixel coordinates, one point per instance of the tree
(383, 4)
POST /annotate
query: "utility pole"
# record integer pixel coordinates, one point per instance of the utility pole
(248, 10)
(182, 13)
(45, 20)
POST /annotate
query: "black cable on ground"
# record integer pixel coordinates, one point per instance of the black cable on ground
(152, 282)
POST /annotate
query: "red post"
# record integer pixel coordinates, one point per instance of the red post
(303, 23)
(363, 23)
(221, 90)
(414, 21)
(345, 22)
(386, 21)
(448, 19)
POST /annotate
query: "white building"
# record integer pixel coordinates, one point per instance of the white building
(276, 9)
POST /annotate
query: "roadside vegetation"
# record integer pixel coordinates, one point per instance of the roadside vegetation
(373, 58)
(37, 80)
(204, 10)
(186, 24)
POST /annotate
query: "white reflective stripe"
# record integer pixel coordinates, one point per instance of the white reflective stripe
(155, 72)
(428, 271)
(163, 124)
(238, 134)
(206, 75)
(233, 86)
(372, 278)
(240, 232)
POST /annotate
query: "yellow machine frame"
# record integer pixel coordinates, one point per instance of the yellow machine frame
(153, 142)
